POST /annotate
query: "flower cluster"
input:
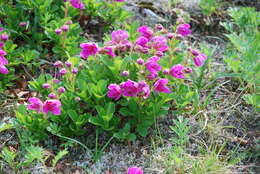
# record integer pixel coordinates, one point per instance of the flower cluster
(148, 42)
(3, 60)
(133, 89)
(51, 105)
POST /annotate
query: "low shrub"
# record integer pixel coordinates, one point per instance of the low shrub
(121, 86)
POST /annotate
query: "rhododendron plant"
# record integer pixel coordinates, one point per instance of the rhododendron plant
(122, 86)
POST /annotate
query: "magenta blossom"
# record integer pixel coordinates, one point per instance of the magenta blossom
(145, 31)
(200, 59)
(142, 41)
(184, 29)
(144, 89)
(4, 37)
(129, 88)
(109, 51)
(152, 65)
(52, 106)
(119, 36)
(2, 44)
(3, 69)
(77, 4)
(114, 91)
(35, 104)
(3, 60)
(120, 0)
(88, 49)
(134, 170)
(177, 71)
(159, 43)
(160, 86)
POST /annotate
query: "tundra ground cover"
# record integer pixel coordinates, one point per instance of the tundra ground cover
(125, 89)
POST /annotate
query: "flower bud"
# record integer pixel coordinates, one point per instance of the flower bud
(159, 53)
(74, 70)
(2, 44)
(52, 96)
(125, 73)
(188, 70)
(65, 28)
(170, 35)
(158, 27)
(63, 71)
(140, 61)
(58, 31)
(46, 86)
(68, 64)
(77, 99)
(61, 90)
(58, 64)
(56, 81)
(195, 52)
(166, 71)
(179, 36)
(4, 37)
(69, 22)
(23, 24)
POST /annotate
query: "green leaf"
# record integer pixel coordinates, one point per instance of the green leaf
(60, 155)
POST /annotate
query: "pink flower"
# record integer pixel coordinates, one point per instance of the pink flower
(184, 29)
(140, 61)
(114, 91)
(52, 106)
(61, 89)
(3, 69)
(68, 64)
(129, 88)
(2, 53)
(77, 4)
(74, 71)
(4, 37)
(142, 41)
(200, 59)
(152, 65)
(35, 104)
(177, 71)
(2, 44)
(119, 36)
(88, 49)
(46, 86)
(109, 51)
(52, 95)
(58, 31)
(145, 31)
(134, 170)
(65, 28)
(120, 0)
(58, 64)
(63, 71)
(125, 73)
(144, 89)
(160, 86)
(3, 60)
(159, 43)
